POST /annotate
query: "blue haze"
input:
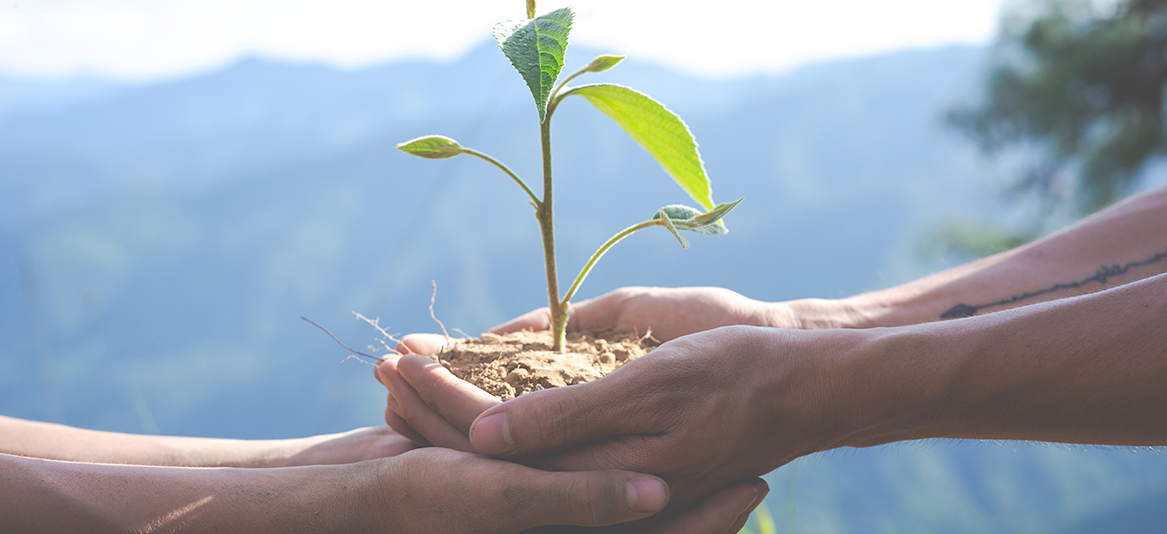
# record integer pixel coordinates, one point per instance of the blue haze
(159, 242)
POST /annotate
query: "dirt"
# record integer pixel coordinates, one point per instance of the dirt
(510, 365)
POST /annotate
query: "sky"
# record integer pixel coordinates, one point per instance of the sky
(154, 39)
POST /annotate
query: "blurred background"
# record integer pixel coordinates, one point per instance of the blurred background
(181, 181)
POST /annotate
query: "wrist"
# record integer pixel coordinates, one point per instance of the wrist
(351, 498)
(310, 450)
(214, 452)
(901, 378)
(273, 453)
(334, 498)
(813, 314)
(812, 388)
(846, 387)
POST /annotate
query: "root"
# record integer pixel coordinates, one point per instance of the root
(375, 323)
(648, 335)
(354, 357)
(434, 297)
(341, 343)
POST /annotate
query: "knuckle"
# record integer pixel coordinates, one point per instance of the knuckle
(552, 423)
(591, 501)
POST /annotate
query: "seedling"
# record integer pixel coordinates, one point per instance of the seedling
(536, 47)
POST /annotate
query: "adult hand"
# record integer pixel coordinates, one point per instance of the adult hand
(668, 313)
(701, 411)
(439, 490)
(456, 400)
(425, 490)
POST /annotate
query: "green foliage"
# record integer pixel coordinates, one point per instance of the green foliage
(536, 48)
(680, 217)
(668, 223)
(1085, 85)
(691, 219)
(659, 131)
(432, 147)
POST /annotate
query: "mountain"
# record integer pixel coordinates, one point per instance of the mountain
(159, 242)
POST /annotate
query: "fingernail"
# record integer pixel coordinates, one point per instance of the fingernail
(647, 495)
(491, 435)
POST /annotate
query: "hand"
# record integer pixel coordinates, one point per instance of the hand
(455, 402)
(439, 490)
(725, 512)
(347, 447)
(701, 411)
(668, 313)
(423, 491)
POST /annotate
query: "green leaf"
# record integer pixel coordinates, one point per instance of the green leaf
(691, 219)
(602, 63)
(659, 131)
(678, 212)
(664, 217)
(536, 47)
(710, 222)
(432, 147)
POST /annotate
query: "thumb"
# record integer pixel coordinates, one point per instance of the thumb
(423, 344)
(553, 419)
(586, 498)
(534, 321)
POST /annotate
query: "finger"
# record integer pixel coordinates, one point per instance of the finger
(553, 419)
(587, 498)
(420, 417)
(424, 344)
(763, 490)
(719, 514)
(377, 372)
(456, 400)
(535, 320)
(380, 373)
(401, 427)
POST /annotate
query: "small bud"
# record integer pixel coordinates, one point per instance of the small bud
(432, 147)
(530, 9)
(603, 63)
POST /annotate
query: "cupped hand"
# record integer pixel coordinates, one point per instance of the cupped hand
(455, 405)
(443, 418)
(701, 411)
(667, 313)
(440, 490)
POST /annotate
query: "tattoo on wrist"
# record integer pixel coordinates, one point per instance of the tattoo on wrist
(1101, 276)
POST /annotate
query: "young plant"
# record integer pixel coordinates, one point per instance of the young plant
(536, 48)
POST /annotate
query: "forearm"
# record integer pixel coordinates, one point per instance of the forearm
(54, 496)
(1121, 244)
(59, 442)
(1089, 369)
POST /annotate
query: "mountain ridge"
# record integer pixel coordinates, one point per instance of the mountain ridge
(161, 241)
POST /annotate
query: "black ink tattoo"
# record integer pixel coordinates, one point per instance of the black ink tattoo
(1101, 276)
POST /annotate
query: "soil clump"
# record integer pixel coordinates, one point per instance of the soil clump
(510, 365)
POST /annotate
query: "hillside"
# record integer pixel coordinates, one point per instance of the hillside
(159, 242)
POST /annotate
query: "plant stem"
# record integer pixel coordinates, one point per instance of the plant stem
(505, 169)
(583, 273)
(545, 215)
